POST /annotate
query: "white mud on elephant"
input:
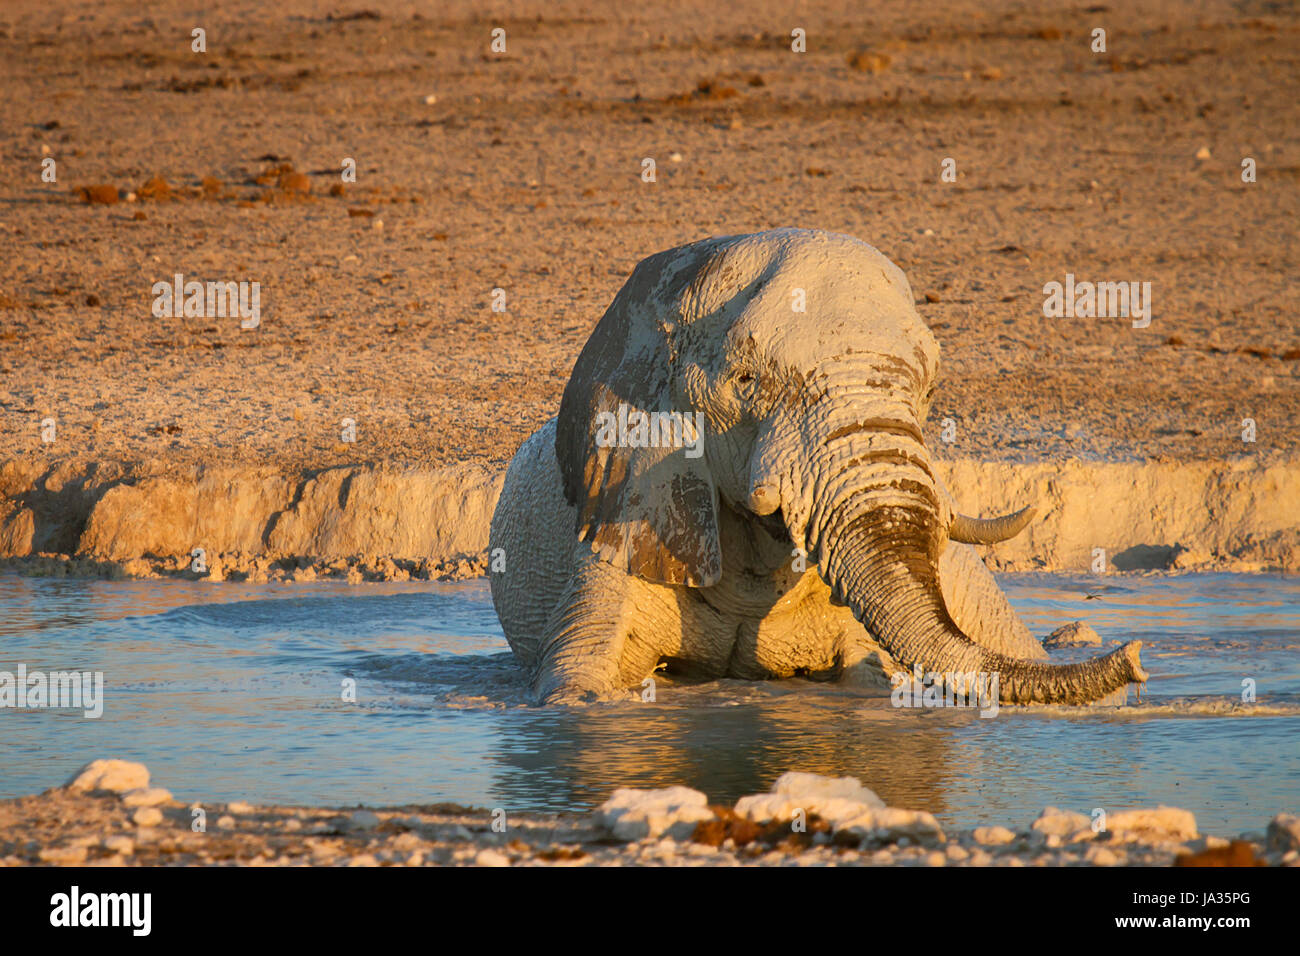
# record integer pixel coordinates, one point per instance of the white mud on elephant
(737, 486)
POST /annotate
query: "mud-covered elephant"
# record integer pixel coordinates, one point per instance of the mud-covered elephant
(737, 485)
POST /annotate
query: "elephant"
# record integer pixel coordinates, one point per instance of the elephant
(737, 485)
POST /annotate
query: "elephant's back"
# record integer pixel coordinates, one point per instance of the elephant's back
(530, 544)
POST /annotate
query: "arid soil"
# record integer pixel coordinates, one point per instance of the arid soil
(522, 171)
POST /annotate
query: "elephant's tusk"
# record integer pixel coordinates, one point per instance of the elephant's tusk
(989, 530)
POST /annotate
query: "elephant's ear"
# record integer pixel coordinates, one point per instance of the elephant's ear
(652, 511)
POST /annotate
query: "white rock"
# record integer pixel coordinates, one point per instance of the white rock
(225, 822)
(993, 836)
(1060, 822)
(1284, 832)
(1077, 634)
(111, 775)
(831, 798)
(1162, 823)
(240, 807)
(363, 820)
(145, 797)
(491, 858)
(1100, 856)
(63, 855)
(892, 825)
(120, 843)
(639, 814)
(147, 817)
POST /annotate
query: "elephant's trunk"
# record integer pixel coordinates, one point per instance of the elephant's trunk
(892, 586)
(873, 521)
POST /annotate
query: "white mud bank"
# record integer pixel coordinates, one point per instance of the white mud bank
(379, 522)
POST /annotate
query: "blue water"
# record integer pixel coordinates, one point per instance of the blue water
(232, 691)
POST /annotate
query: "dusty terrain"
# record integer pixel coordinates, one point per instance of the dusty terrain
(521, 171)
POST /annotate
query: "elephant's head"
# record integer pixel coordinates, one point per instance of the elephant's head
(811, 373)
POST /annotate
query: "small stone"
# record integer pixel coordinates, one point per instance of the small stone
(147, 817)
(1076, 634)
(146, 797)
(364, 820)
(112, 775)
(936, 859)
(240, 807)
(491, 858)
(63, 855)
(865, 61)
(1284, 832)
(1203, 153)
(226, 822)
(363, 859)
(120, 843)
(1100, 856)
(993, 836)
(155, 188)
(1059, 822)
(430, 99)
(957, 853)
(102, 193)
(292, 182)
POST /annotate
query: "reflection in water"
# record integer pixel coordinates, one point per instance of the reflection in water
(233, 691)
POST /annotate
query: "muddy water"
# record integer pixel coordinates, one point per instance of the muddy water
(235, 692)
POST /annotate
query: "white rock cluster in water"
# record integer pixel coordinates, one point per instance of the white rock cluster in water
(844, 803)
(638, 814)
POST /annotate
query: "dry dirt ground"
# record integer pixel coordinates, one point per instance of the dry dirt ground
(522, 170)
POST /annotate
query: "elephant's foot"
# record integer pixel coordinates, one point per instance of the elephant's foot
(553, 690)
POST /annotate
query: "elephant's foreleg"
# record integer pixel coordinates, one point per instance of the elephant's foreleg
(600, 637)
